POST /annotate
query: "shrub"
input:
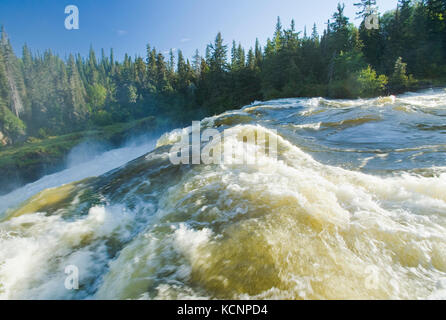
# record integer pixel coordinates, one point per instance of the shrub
(102, 118)
(369, 83)
(400, 81)
(10, 124)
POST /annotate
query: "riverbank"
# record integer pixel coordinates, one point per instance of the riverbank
(29, 161)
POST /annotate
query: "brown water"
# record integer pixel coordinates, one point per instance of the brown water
(355, 207)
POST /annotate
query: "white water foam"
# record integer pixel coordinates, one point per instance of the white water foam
(95, 166)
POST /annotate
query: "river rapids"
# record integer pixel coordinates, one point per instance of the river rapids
(354, 207)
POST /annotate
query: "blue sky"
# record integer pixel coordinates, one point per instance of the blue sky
(128, 25)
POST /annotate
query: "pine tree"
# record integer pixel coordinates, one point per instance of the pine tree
(183, 72)
(13, 75)
(112, 62)
(241, 58)
(208, 54)
(251, 59)
(399, 81)
(234, 56)
(340, 33)
(315, 34)
(140, 76)
(278, 36)
(77, 94)
(4, 85)
(152, 70)
(218, 53)
(258, 53)
(196, 63)
(171, 64)
(365, 7)
(162, 80)
(92, 67)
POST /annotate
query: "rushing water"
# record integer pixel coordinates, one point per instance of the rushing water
(355, 207)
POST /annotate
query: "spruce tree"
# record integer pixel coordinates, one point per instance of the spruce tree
(13, 75)
(218, 52)
(365, 7)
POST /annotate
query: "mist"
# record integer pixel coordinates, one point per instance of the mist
(88, 159)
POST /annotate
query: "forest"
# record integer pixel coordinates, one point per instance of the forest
(43, 95)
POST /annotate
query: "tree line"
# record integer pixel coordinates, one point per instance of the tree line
(43, 95)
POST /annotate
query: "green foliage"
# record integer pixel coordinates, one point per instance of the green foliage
(400, 81)
(364, 83)
(43, 95)
(369, 83)
(10, 125)
(42, 133)
(347, 63)
(97, 95)
(364, 6)
(28, 159)
(102, 118)
(218, 51)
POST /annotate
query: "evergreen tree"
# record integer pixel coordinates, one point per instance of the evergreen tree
(218, 53)
(365, 7)
(13, 75)
(196, 63)
(152, 70)
(400, 81)
(42, 94)
(251, 59)
(340, 40)
(76, 108)
(258, 53)
(278, 36)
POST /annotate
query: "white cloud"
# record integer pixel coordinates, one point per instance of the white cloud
(185, 40)
(121, 32)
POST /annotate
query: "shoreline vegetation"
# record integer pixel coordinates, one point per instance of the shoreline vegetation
(29, 161)
(49, 105)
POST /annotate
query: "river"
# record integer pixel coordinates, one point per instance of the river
(353, 207)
